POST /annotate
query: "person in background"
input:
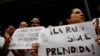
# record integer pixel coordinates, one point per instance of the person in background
(2, 39)
(35, 22)
(23, 24)
(8, 33)
(75, 15)
(60, 23)
(5, 51)
(96, 20)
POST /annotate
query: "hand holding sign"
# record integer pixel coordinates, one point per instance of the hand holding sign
(34, 49)
(97, 28)
(98, 40)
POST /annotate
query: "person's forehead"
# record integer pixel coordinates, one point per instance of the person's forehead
(23, 23)
(35, 19)
(76, 10)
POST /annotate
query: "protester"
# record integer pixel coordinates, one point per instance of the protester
(35, 22)
(5, 51)
(96, 20)
(23, 24)
(75, 15)
(2, 39)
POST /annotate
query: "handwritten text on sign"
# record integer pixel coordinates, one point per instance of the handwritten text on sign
(66, 29)
(24, 37)
(57, 41)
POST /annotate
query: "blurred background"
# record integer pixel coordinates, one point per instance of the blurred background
(12, 12)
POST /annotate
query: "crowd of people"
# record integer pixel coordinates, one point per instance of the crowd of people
(74, 15)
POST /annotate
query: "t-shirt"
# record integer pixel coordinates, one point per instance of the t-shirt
(10, 54)
(2, 41)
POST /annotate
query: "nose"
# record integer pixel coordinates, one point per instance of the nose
(81, 14)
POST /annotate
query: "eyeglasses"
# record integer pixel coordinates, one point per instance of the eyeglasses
(35, 22)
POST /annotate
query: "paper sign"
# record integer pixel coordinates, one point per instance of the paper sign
(71, 28)
(24, 37)
(73, 41)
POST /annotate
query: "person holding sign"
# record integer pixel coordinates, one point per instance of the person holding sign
(5, 49)
(97, 28)
(75, 15)
(23, 24)
(97, 19)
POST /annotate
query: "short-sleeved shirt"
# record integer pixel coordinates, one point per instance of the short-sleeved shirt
(2, 41)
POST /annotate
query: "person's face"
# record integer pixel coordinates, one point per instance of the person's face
(23, 25)
(77, 16)
(35, 22)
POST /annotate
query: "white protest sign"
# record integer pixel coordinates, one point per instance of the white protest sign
(2, 41)
(69, 42)
(24, 37)
(65, 29)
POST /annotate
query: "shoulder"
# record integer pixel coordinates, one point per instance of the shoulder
(2, 41)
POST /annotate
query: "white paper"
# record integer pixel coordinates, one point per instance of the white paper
(24, 37)
(71, 43)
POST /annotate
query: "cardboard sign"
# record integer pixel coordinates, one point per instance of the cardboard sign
(69, 40)
(24, 37)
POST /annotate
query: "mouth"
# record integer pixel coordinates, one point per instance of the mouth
(82, 17)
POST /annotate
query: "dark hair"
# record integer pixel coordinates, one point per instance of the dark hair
(98, 11)
(68, 14)
(36, 21)
(2, 28)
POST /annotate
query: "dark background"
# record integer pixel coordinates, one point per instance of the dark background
(12, 12)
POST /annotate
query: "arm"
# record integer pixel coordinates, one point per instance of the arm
(16, 53)
(8, 32)
(4, 50)
(97, 28)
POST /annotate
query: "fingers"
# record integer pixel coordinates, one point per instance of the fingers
(34, 49)
(98, 40)
(33, 52)
(35, 45)
(97, 24)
